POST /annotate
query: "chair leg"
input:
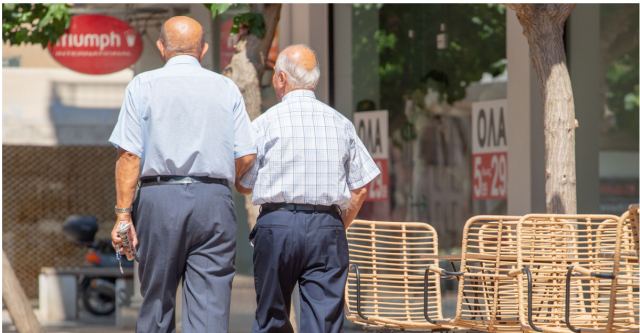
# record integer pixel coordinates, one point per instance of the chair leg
(426, 297)
(527, 272)
(567, 295)
(358, 304)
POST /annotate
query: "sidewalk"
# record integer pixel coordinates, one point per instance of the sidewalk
(242, 312)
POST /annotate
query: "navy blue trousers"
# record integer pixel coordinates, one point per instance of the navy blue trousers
(304, 247)
(188, 232)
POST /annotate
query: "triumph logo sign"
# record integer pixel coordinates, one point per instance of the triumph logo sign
(97, 44)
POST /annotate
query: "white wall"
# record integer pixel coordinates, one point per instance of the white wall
(525, 186)
(308, 24)
(49, 106)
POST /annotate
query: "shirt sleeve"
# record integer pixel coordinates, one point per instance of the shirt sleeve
(127, 134)
(249, 178)
(244, 142)
(361, 169)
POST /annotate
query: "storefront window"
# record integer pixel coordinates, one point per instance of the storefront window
(619, 131)
(427, 65)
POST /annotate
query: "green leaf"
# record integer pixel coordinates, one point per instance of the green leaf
(218, 8)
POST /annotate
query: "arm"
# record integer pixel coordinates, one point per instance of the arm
(357, 199)
(127, 172)
(243, 164)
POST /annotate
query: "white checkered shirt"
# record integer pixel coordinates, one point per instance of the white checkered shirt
(308, 153)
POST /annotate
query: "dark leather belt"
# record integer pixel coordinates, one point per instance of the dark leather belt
(161, 180)
(270, 207)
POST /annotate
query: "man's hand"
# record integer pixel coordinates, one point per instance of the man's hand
(116, 241)
(357, 199)
(243, 164)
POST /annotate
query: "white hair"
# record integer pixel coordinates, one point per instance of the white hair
(297, 76)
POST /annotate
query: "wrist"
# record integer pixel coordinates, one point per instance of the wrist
(122, 210)
(123, 216)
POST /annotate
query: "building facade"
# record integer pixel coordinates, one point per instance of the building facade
(433, 68)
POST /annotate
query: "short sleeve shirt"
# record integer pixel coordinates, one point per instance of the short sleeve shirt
(184, 120)
(307, 153)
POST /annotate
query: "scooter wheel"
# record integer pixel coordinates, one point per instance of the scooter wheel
(99, 296)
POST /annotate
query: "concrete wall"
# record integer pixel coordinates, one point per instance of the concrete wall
(55, 106)
(525, 187)
(583, 58)
(308, 24)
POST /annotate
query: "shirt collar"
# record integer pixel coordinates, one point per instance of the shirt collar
(299, 93)
(183, 59)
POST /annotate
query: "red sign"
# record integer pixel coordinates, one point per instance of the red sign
(97, 44)
(378, 189)
(489, 150)
(490, 176)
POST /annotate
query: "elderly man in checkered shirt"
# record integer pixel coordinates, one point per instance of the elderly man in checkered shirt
(309, 178)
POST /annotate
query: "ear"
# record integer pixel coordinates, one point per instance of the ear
(205, 48)
(281, 77)
(160, 47)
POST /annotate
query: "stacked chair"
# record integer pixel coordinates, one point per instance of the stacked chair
(386, 282)
(535, 273)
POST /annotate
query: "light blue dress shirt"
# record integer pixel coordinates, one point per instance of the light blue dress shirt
(308, 153)
(184, 120)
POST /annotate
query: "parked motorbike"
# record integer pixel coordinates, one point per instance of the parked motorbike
(98, 294)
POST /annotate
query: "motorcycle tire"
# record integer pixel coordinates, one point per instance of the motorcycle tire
(99, 296)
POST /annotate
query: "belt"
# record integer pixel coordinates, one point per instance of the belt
(270, 207)
(162, 180)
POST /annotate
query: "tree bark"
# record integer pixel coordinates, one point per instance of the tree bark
(16, 300)
(246, 69)
(543, 26)
(258, 49)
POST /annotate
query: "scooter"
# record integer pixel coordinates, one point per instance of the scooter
(98, 294)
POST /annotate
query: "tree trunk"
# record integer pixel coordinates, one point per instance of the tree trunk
(16, 300)
(246, 69)
(543, 26)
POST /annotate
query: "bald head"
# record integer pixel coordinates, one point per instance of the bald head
(301, 55)
(296, 68)
(181, 35)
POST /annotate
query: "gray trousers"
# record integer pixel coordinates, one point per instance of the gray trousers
(188, 232)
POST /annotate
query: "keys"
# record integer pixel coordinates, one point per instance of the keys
(119, 258)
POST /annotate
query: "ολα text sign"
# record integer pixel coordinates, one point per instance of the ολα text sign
(373, 129)
(489, 150)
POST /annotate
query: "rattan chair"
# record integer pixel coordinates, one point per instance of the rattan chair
(627, 304)
(487, 296)
(566, 272)
(386, 282)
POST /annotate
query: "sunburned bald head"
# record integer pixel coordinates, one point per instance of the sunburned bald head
(181, 35)
(296, 68)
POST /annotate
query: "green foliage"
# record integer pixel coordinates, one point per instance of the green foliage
(399, 40)
(252, 22)
(34, 23)
(218, 8)
(622, 72)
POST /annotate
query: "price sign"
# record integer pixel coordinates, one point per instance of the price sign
(489, 158)
(373, 129)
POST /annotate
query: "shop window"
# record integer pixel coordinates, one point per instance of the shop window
(427, 65)
(619, 125)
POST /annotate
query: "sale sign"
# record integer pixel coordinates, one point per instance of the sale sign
(373, 129)
(97, 44)
(489, 150)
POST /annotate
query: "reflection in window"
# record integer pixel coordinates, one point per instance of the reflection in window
(426, 65)
(619, 131)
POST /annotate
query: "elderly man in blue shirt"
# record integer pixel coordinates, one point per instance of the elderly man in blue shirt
(184, 135)
(309, 178)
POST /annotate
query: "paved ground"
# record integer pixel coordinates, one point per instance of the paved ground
(242, 311)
